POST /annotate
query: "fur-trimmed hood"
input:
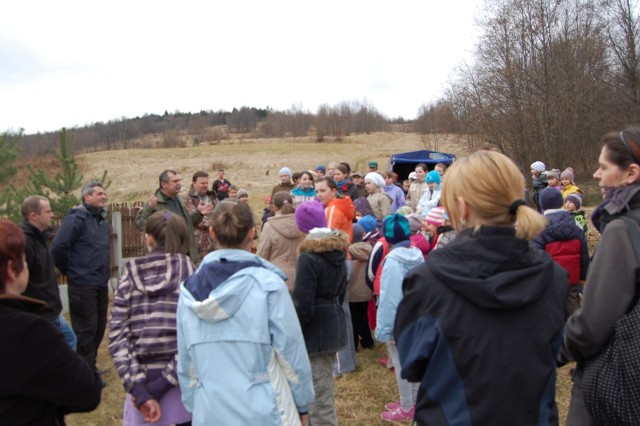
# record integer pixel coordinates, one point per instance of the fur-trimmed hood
(330, 241)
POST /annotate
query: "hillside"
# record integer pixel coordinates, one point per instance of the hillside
(252, 164)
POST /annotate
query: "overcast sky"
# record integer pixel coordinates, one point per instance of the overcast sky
(72, 63)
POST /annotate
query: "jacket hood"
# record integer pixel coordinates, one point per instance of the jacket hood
(285, 225)
(409, 256)
(332, 246)
(345, 205)
(158, 273)
(493, 269)
(561, 227)
(360, 251)
(222, 282)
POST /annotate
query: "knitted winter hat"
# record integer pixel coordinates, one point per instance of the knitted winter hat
(435, 216)
(538, 166)
(576, 199)
(396, 228)
(358, 233)
(550, 198)
(285, 171)
(242, 193)
(554, 172)
(309, 215)
(321, 168)
(405, 210)
(433, 177)
(368, 223)
(376, 178)
(415, 222)
(567, 174)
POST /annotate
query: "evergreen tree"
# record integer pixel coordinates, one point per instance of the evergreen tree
(8, 153)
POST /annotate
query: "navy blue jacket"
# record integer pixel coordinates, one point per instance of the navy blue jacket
(81, 247)
(479, 327)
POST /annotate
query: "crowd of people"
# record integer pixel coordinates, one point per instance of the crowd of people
(478, 296)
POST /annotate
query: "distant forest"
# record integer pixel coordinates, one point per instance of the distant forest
(205, 127)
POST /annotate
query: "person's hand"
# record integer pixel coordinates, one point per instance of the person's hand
(151, 410)
(304, 418)
(152, 201)
(205, 209)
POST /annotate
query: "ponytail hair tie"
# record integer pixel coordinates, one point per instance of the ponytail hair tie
(513, 209)
(285, 202)
(166, 215)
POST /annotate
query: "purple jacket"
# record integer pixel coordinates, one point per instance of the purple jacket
(142, 336)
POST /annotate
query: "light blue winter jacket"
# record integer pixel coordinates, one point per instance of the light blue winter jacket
(429, 200)
(241, 354)
(395, 266)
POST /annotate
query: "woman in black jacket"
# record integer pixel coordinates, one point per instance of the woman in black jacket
(41, 378)
(480, 324)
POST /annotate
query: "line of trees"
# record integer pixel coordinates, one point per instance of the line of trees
(126, 133)
(549, 78)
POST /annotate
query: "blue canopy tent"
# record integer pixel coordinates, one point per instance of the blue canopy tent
(406, 162)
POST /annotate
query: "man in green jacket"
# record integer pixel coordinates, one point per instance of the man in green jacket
(166, 198)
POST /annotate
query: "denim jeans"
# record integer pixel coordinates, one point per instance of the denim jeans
(67, 331)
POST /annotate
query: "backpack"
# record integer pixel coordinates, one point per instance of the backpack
(611, 381)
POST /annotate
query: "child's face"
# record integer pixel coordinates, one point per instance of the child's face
(569, 206)
(388, 180)
(432, 229)
(431, 186)
(552, 181)
(244, 198)
(284, 178)
(406, 184)
(233, 193)
(535, 173)
(357, 180)
(565, 181)
(370, 186)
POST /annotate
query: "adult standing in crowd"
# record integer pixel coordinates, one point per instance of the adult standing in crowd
(81, 251)
(285, 184)
(197, 195)
(280, 237)
(167, 197)
(418, 186)
(37, 215)
(241, 356)
(480, 324)
(345, 186)
(41, 378)
(612, 288)
(221, 186)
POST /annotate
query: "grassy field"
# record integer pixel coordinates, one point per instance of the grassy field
(254, 165)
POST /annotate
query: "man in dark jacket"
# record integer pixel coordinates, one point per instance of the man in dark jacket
(81, 251)
(167, 198)
(37, 215)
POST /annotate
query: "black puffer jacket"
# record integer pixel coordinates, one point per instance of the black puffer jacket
(320, 286)
(42, 276)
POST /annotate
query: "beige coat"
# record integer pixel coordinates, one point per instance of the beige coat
(279, 244)
(415, 192)
(359, 291)
(380, 203)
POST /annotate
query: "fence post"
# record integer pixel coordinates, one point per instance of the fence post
(116, 223)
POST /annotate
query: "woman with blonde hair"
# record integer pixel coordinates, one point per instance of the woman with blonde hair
(480, 324)
(281, 237)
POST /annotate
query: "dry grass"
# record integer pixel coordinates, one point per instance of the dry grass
(360, 395)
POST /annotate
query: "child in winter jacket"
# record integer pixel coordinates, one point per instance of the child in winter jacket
(566, 244)
(401, 258)
(573, 204)
(539, 182)
(359, 293)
